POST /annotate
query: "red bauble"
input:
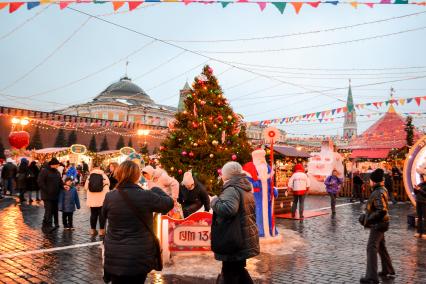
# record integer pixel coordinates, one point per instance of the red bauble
(220, 118)
(234, 157)
(191, 154)
(19, 139)
(219, 171)
(184, 153)
(180, 172)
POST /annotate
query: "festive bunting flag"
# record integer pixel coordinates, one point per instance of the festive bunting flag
(371, 5)
(401, 2)
(280, 6)
(31, 5)
(345, 109)
(63, 5)
(297, 6)
(44, 2)
(314, 4)
(333, 111)
(385, 2)
(409, 100)
(13, 6)
(134, 4)
(421, 3)
(117, 5)
(262, 5)
(354, 4)
(318, 114)
(332, 2)
(224, 4)
(339, 110)
(418, 100)
(401, 101)
(320, 120)
(3, 5)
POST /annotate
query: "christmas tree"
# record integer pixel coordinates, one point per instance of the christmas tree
(144, 149)
(60, 139)
(92, 144)
(72, 138)
(2, 155)
(130, 144)
(35, 142)
(409, 129)
(206, 135)
(120, 143)
(104, 145)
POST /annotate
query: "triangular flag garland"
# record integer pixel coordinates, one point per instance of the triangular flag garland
(323, 115)
(280, 5)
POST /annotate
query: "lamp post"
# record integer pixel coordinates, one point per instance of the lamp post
(144, 133)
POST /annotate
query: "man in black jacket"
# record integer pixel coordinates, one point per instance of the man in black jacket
(420, 191)
(357, 186)
(50, 183)
(8, 175)
(377, 219)
(192, 195)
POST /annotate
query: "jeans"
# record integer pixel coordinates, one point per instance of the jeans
(95, 214)
(67, 219)
(8, 185)
(333, 197)
(37, 193)
(234, 272)
(421, 215)
(50, 212)
(376, 244)
(301, 200)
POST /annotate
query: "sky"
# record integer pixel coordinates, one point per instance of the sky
(53, 58)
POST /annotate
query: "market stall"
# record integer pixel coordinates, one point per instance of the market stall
(117, 156)
(75, 154)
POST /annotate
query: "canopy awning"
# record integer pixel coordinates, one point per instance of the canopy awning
(370, 153)
(289, 151)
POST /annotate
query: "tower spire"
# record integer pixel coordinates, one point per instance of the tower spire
(350, 125)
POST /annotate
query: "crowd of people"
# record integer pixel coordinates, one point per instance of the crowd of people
(124, 200)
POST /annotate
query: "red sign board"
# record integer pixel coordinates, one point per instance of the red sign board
(190, 234)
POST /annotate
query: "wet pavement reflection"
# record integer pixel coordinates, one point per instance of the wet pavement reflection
(319, 250)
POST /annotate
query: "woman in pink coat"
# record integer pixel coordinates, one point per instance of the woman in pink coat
(97, 186)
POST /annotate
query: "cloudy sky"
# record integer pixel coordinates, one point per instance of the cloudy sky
(269, 65)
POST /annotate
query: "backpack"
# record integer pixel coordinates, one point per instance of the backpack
(96, 183)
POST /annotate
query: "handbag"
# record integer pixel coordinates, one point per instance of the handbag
(227, 235)
(159, 260)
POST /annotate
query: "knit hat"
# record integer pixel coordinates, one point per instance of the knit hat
(54, 161)
(299, 168)
(9, 160)
(149, 170)
(187, 180)
(377, 176)
(231, 169)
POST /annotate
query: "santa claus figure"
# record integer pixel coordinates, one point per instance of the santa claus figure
(260, 175)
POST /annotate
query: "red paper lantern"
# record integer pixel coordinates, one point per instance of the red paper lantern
(19, 139)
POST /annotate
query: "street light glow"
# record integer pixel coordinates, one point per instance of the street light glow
(24, 121)
(15, 120)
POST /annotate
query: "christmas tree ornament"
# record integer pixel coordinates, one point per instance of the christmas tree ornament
(195, 110)
(210, 70)
(234, 157)
(180, 171)
(219, 118)
(203, 103)
(191, 154)
(211, 156)
(215, 143)
(172, 169)
(223, 136)
(195, 144)
(230, 117)
(219, 171)
(184, 153)
(202, 78)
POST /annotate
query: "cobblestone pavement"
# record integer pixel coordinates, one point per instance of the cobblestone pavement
(333, 250)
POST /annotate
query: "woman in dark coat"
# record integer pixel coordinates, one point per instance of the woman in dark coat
(227, 205)
(32, 181)
(22, 179)
(130, 252)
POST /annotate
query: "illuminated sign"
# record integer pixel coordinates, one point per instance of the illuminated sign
(127, 151)
(78, 149)
(415, 159)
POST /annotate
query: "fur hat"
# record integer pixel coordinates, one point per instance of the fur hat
(187, 180)
(299, 168)
(54, 161)
(377, 175)
(231, 169)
